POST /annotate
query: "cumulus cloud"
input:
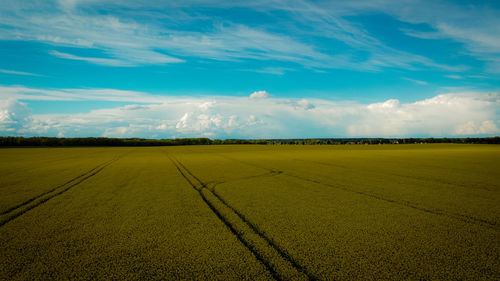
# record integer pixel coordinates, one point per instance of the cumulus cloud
(14, 115)
(260, 95)
(300, 104)
(453, 114)
(473, 128)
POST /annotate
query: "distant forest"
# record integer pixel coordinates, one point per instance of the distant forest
(53, 142)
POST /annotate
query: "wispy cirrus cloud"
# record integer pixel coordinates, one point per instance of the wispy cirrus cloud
(273, 70)
(27, 93)
(127, 39)
(101, 61)
(134, 58)
(475, 26)
(454, 76)
(14, 72)
(419, 82)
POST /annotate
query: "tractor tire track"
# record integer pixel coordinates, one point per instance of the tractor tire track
(51, 190)
(408, 204)
(263, 175)
(18, 210)
(251, 164)
(285, 255)
(417, 178)
(236, 233)
(257, 251)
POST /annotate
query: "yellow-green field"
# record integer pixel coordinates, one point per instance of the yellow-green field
(353, 212)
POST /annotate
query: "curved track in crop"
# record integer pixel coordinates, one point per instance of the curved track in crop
(276, 260)
(408, 204)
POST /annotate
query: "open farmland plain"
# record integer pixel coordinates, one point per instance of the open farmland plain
(351, 212)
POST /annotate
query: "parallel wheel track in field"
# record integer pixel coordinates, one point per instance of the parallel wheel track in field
(408, 204)
(277, 261)
(382, 173)
(212, 184)
(20, 209)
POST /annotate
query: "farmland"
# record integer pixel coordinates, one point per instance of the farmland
(253, 212)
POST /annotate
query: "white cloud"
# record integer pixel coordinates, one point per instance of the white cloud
(6, 71)
(101, 61)
(384, 106)
(14, 115)
(207, 105)
(25, 93)
(274, 70)
(304, 104)
(419, 82)
(493, 64)
(183, 121)
(132, 58)
(125, 41)
(125, 38)
(454, 114)
(116, 132)
(475, 26)
(472, 128)
(453, 76)
(260, 95)
(475, 38)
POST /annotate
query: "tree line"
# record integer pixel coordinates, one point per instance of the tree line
(53, 142)
(486, 140)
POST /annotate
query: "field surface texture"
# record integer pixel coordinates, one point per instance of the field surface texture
(250, 212)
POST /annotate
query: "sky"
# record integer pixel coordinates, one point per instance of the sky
(250, 69)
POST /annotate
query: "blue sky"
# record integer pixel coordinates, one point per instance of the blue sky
(249, 69)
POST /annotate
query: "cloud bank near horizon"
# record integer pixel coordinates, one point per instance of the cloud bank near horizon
(260, 115)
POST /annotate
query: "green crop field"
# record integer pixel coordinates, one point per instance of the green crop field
(252, 212)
